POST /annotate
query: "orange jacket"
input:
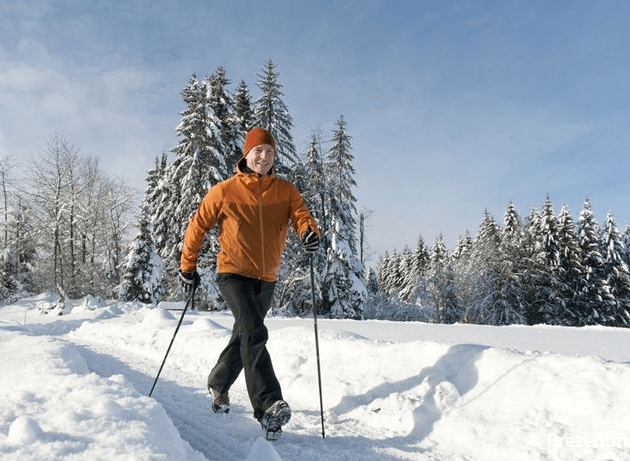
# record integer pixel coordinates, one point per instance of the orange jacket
(253, 213)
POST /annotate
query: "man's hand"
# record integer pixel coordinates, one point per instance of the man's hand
(189, 280)
(310, 241)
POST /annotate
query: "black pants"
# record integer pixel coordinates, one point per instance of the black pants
(249, 300)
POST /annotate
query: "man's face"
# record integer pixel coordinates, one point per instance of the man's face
(260, 158)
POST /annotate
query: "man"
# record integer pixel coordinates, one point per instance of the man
(253, 209)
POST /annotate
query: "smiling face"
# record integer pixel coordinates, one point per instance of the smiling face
(260, 158)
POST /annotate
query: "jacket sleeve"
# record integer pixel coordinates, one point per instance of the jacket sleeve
(300, 216)
(202, 221)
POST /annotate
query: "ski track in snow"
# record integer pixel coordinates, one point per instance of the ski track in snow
(188, 407)
(232, 436)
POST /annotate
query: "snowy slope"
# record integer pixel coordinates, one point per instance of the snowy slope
(75, 387)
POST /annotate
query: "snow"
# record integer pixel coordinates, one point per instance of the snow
(76, 387)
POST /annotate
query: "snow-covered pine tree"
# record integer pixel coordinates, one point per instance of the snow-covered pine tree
(409, 280)
(512, 231)
(441, 284)
(570, 270)
(616, 270)
(272, 114)
(142, 276)
(243, 108)
(484, 259)
(463, 249)
(415, 279)
(370, 281)
(222, 104)
(162, 201)
(596, 300)
(548, 246)
(510, 273)
(382, 271)
(460, 258)
(344, 292)
(199, 164)
(294, 281)
(486, 244)
(314, 190)
(393, 276)
(293, 286)
(546, 259)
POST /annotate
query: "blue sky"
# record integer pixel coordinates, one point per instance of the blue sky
(454, 107)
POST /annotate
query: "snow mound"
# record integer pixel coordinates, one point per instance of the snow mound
(158, 318)
(63, 411)
(24, 431)
(207, 325)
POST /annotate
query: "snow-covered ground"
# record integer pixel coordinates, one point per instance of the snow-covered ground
(75, 387)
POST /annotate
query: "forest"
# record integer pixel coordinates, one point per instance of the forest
(68, 229)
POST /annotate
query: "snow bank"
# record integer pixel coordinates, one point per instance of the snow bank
(52, 407)
(75, 390)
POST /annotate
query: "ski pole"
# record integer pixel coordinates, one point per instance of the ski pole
(190, 299)
(319, 373)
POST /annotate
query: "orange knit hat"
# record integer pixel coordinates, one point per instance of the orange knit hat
(257, 136)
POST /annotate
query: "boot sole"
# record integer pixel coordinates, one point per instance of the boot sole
(281, 416)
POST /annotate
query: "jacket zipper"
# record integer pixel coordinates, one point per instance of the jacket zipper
(262, 232)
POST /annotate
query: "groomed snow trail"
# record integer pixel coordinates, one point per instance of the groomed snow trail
(110, 350)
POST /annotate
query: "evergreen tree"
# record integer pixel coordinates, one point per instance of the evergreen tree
(162, 199)
(484, 261)
(570, 271)
(616, 270)
(485, 248)
(414, 280)
(243, 108)
(370, 280)
(293, 287)
(199, 164)
(462, 266)
(343, 292)
(294, 280)
(512, 273)
(406, 283)
(547, 245)
(382, 273)
(625, 240)
(314, 190)
(393, 276)
(271, 113)
(142, 278)
(228, 122)
(463, 249)
(548, 304)
(596, 300)
(496, 284)
(441, 286)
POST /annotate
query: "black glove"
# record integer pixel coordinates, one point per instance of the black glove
(310, 241)
(189, 280)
